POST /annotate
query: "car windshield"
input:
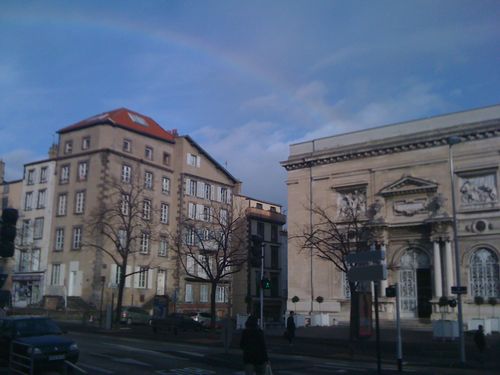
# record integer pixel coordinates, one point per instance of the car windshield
(36, 327)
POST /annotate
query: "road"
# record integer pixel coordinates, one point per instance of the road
(103, 355)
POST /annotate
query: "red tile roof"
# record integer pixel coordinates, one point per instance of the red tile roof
(127, 119)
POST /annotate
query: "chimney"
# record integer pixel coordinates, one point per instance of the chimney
(53, 151)
(174, 132)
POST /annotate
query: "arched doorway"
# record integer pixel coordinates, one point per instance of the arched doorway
(416, 284)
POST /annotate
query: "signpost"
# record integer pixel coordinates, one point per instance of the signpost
(458, 290)
(369, 267)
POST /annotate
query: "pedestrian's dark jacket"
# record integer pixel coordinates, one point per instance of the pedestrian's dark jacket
(254, 346)
(290, 325)
(480, 340)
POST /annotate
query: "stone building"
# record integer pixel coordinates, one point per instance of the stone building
(266, 220)
(406, 169)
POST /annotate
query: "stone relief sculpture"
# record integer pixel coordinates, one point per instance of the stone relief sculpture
(352, 202)
(479, 189)
(436, 204)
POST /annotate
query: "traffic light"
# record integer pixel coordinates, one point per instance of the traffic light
(265, 283)
(390, 291)
(255, 251)
(8, 232)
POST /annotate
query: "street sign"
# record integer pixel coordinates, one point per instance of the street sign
(366, 256)
(458, 290)
(368, 273)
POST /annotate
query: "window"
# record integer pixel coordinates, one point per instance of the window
(165, 185)
(62, 200)
(55, 276)
(259, 206)
(148, 153)
(40, 202)
(31, 177)
(166, 158)
(29, 261)
(202, 265)
(274, 233)
(25, 232)
(127, 145)
(59, 243)
(83, 168)
(272, 209)
(85, 143)
(38, 228)
(125, 204)
(164, 213)
(146, 209)
(68, 147)
(203, 293)
(148, 180)
(64, 177)
(122, 238)
(275, 256)
(43, 175)
(260, 229)
(221, 294)
(484, 274)
(189, 293)
(208, 191)
(76, 243)
(79, 202)
(206, 214)
(145, 237)
(223, 195)
(163, 248)
(345, 284)
(137, 119)
(193, 160)
(28, 201)
(143, 278)
(117, 276)
(126, 173)
(192, 187)
(190, 264)
(190, 237)
(223, 217)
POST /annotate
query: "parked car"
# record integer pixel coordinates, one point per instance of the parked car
(134, 315)
(201, 317)
(39, 337)
(176, 322)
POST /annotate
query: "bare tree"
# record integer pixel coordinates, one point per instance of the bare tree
(334, 234)
(211, 247)
(121, 227)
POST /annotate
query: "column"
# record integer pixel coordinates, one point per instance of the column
(438, 279)
(384, 283)
(448, 268)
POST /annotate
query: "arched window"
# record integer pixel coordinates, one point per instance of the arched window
(484, 275)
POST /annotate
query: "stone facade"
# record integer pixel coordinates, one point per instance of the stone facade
(405, 169)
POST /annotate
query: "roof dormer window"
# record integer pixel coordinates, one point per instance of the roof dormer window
(138, 119)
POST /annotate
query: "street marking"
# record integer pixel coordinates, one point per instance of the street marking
(148, 351)
(95, 368)
(190, 353)
(132, 361)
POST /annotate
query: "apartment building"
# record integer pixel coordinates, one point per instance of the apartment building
(32, 243)
(93, 159)
(407, 170)
(266, 220)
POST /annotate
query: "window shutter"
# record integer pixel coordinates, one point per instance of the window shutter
(62, 275)
(199, 211)
(219, 194)
(200, 189)
(136, 277)
(112, 275)
(188, 182)
(198, 161)
(188, 158)
(228, 195)
(128, 279)
(150, 279)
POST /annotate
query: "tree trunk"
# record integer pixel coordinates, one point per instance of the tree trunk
(212, 304)
(119, 301)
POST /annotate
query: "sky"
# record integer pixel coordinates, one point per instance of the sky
(245, 79)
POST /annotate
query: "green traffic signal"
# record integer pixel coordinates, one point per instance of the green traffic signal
(266, 283)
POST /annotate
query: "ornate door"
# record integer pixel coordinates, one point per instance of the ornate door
(410, 262)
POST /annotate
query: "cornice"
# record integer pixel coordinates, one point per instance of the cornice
(363, 150)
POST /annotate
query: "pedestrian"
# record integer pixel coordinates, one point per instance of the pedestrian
(290, 327)
(254, 348)
(480, 341)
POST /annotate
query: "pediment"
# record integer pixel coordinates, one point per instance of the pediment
(408, 185)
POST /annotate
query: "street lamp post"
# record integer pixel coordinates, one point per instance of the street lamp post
(453, 140)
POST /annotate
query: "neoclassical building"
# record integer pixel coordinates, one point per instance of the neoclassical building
(406, 169)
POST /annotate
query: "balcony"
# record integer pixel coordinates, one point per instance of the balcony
(264, 215)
